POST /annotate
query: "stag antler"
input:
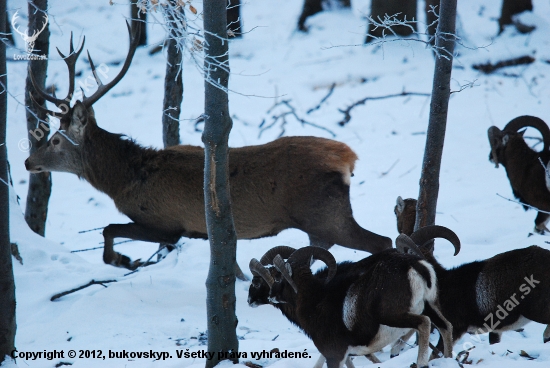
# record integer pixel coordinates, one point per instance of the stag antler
(70, 60)
(102, 89)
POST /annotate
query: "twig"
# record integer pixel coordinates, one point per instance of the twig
(101, 247)
(545, 169)
(323, 99)
(85, 250)
(390, 169)
(282, 117)
(347, 110)
(523, 204)
(408, 171)
(87, 231)
(93, 282)
(489, 68)
(147, 263)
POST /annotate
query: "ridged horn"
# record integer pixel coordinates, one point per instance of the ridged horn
(307, 253)
(283, 250)
(530, 121)
(404, 244)
(286, 270)
(258, 269)
(427, 233)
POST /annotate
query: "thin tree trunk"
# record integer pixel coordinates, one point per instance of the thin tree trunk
(402, 9)
(441, 91)
(7, 285)
(234, 20)
(173, 82)
(9, 33)
(510, 8)
(220, 284)
(139, 17)
(40, 185)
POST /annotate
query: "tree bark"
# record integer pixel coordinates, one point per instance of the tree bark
(510, 8)
(7, 285)
(234, 21)
(139, 17)
(40, 184)
(441, 91)
(220, 284)
(173, 83)
(379, 8)
(9, 33)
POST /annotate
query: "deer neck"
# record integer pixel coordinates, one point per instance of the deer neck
(110, 161)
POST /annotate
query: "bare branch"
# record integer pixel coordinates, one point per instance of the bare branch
(489, 68)
(322, 100)
(347, 110)
(93, 282)
(282, 117)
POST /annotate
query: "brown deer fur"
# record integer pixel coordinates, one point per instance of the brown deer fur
(293, 182)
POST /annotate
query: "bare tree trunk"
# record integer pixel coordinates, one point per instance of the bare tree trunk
(220, 284)
(510, 8)
(173, 82)
(140, 17)
(9, 33)
(234, 20)
(40, 184)
(441, 91)
(403, 9)
(7, 285)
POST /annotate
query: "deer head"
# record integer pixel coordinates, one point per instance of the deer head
(64, 149)
(29, 40)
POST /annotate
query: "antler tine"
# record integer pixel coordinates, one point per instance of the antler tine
(92, 65)
(102, 89)
(58, 102)
(42, 108)
(71, 63)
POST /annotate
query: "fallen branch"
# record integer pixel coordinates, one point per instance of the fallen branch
(347, 110)
(489, 68)
(323, 99)
(93, 282)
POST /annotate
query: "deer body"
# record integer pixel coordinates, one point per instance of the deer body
(293, 182)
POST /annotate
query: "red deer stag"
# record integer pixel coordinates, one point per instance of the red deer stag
(292, 182)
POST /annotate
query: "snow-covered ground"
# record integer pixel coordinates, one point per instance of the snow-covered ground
(162, 307)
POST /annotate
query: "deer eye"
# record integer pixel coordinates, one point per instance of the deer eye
(55, 141)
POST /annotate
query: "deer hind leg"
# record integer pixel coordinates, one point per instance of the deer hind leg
(135, 232)
(315, 241)
(540, 223)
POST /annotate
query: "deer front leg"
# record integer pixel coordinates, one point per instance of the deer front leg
(135, 232)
